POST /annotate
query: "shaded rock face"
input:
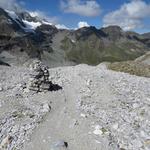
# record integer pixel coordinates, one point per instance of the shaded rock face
(83, 33)
(17, 40)
(47, 33)
(39, 80)
(47, 29)
(27, 16)
(3, 63)
(8, 26)
(113, 32)
(22, 43)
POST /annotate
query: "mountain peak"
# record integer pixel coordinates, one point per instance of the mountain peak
(113, 27)
(90, 45)
(114, 32)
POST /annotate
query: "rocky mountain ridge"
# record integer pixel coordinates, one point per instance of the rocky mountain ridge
(25, 37)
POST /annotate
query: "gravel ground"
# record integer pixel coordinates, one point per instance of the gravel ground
(97, 109)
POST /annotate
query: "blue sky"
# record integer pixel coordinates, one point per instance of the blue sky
(129, 14)
(52, 8)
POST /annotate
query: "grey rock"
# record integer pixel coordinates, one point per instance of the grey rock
(60, 145)
(45, 86)
(46, 108)
(1, 89)
(5, 142)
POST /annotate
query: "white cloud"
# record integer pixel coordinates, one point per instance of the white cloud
(82, 24)
(14, 5)
(48, 20)
(61, 26)
(42, 15)
(87, 8)
(130, 15)
(31, 25)
(11, 5)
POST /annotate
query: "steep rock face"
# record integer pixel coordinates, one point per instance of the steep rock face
(113, 32)
(18, 40)
(8, 26)
(84, 32)
(47, 29)
(27, 16)
(47, 32)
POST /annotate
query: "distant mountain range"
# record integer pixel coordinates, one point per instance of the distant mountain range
(23, 37)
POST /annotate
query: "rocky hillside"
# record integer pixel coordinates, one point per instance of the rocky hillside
(23, 37)
(93, 109)
(91, 45)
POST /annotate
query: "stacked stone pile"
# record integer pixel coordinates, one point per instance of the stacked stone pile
(39, 80)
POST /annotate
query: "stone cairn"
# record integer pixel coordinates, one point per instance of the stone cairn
(39, 80)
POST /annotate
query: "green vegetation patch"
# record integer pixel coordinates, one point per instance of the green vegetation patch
(93, 51)
(131, 67)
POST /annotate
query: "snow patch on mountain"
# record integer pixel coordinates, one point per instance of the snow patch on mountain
(47, 23)
(82, 24)
(12, 14)
(22, 23)
(61, 26)
(31, 25)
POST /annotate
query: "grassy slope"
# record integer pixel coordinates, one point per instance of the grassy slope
(131, 67)
(92, 50)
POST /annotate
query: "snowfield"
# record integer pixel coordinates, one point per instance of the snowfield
(30, 26)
